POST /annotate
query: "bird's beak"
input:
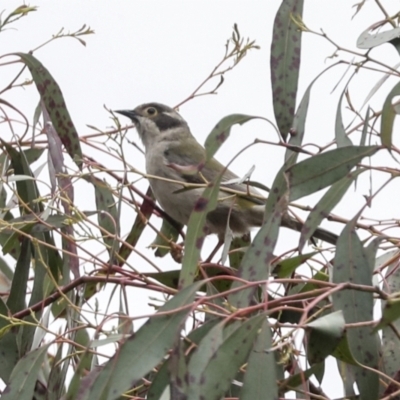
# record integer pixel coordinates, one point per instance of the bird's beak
(132, 114)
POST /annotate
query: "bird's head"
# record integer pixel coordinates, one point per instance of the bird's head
(155, 122)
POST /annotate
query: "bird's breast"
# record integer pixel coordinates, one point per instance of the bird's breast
(166, 187)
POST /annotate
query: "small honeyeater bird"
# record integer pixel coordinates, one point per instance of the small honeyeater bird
(172, 156)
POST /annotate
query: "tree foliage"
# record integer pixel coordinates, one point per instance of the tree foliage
(228, 326)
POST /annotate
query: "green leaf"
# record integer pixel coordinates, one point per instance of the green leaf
(25, 374)
(82, 339)
(27, 189)
(167, 278)
(365, 128)
(171, 278)
(38, 293)
(299, 124)
(178, 371)
(159, 383)
(322, 170)
(29, 223)
(325, 205)
(343, 353)
(5, 270)
(347, 373)
(367, 41)
(279, 186)
(203, 354)
(54, 101)
(217, 359)
(324, 334)
(256, 261)
(342, 139)
(318, 276)
(298, 379)
(238, 249)
(390, 338)
(108, 215)
(146, 209)
(285, 63)
(284, 268)
(256, 264)
(387, 117)
(299, 121)
(391, 312)
(9, 354)
(16, 299)
(32, 154)
(168, 231)
(353, 265)
(196, 232)
(55, 384)
(141, 352)
(8, 344)
(260, 380)
(161, 379)
(222, 131)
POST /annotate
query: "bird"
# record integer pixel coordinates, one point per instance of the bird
(175, 158)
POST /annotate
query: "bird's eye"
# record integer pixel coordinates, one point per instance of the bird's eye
(151, 111)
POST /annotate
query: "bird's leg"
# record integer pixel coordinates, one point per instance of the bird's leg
(215, 250)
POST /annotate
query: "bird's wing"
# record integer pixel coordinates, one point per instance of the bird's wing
(187, 166)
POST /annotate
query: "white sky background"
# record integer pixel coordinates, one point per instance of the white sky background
(161, 50)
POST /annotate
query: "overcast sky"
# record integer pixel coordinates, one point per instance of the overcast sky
(162, 50)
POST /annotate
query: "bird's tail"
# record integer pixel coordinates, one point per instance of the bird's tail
(256, 215)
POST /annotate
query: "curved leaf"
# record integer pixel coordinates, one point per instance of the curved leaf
(299, 122)
(24, 375)
(367, 41)
(141, 352)
(322, 170)
(352, 264)
(284, 268)
(160, 244)
(159, 383)
(256, 262)
(53, 99)
(328, 201)
(136, 231)
(16, 300)
(260, 380)
(285, 63)
(221, 132)
(108, 215)
(217, 359)
(8, 344)
(342, 139)
(387, 117)
(390, 338)
(324, 334)
(196, 232)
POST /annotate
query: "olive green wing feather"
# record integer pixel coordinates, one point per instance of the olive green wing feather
(188, 160)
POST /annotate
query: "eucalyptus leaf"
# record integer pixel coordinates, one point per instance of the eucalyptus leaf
(285, 63)
(352, 264)
(342, 139)
(388, 115)
(196, 234)
(221, 132)
(369, 41)
(139, 353)
(24, 375)
(260, 379)
(53, 99)
(218, 358)
(322, 170)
